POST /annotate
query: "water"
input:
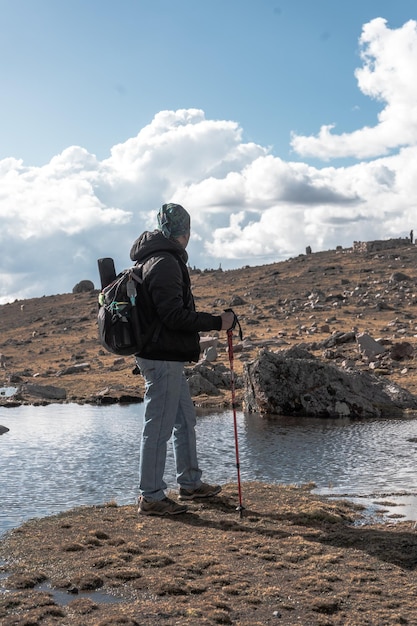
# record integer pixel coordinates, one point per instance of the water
(60, 456)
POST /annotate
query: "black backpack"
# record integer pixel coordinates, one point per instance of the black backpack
(118, 319)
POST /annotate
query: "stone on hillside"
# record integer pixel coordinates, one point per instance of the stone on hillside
(207, 341)
(294, 382)
(3, 429)
(236, 301)
(368, 346)
(402, 350)
(210, 354)
(73, 369)
(398, 277)
(337, 338)
(381, 305)
(83, 286)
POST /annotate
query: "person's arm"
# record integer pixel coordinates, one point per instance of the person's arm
(165, 285)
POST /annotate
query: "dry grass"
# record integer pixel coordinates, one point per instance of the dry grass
(293, 558)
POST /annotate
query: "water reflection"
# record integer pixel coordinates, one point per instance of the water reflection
(60, 456)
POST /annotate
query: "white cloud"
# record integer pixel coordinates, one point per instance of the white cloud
(388, 75)
(247, 206)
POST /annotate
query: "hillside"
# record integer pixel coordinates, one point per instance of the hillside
(305, 299)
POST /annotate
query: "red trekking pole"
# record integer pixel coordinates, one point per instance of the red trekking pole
(240, 508)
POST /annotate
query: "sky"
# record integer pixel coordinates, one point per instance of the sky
(278, 124)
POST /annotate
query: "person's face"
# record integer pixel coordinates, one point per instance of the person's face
(183, 240)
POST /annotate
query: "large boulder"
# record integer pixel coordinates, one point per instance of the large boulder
(83, 286)
(295, 382)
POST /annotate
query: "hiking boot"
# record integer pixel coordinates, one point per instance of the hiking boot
(203, 491)
(160, 507)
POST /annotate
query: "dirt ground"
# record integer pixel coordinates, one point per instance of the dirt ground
(41, 338)
(292, 558)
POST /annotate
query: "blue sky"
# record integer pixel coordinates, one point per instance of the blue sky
(94, 72)
(251, 113)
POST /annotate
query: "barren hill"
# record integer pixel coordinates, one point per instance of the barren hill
(305, 300)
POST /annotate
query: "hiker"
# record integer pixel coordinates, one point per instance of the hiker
(411, 236)
(169, 409)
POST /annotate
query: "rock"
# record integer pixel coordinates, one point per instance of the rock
(199, 385)
(48, 392)
(294, 382)
(73, 369)
(210, 354)
(368, 346)
(83, 286)
(383, 306)
(236, 301)
(398, 277)
(337, 338)
(3, 429)
(217, 374)
(208, 346)
(210, 378)
(113, 395)
(207, 341)
(402, 350)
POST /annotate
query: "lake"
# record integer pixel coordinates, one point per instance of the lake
(60, 456)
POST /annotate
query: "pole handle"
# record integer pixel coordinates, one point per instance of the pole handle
(235, 323)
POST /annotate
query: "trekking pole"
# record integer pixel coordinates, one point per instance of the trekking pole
(240, 508)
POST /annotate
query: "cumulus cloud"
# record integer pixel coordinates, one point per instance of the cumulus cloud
(388, 75)
(247, 206)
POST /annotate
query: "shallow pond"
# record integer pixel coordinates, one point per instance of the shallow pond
(60, 456)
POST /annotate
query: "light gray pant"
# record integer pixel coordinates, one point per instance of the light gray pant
(169, 410)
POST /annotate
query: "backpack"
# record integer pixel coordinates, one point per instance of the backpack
(118, 319)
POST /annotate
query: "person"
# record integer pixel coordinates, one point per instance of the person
(169, 312)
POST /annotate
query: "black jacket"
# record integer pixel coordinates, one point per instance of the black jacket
(168, 305)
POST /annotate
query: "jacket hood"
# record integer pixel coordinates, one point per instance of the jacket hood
(152, 243)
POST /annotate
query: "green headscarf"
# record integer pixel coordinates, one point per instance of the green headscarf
(173, 220)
